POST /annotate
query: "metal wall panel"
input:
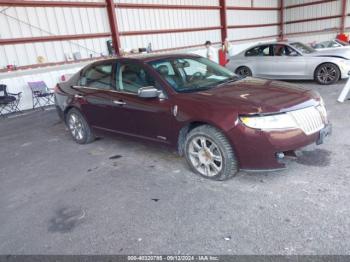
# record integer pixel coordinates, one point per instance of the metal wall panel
(314, 11)
(251, 17)
(253, 3)
(170, 40)
(19, 22)
(172, 2)
(73, 0)
(327, 27)
(347, 19)
(242, 33)
(266, 3)
(312, 38)
(26, 54)
(22, 22)
(44, 21)
(313, 26)
(153, 19)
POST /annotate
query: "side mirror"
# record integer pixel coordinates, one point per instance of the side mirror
(148, 92)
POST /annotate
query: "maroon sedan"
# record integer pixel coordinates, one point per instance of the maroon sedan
(219, 121)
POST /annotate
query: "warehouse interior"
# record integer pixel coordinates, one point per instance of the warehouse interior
(120, 196)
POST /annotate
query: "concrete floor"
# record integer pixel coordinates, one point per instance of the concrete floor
(117, 196)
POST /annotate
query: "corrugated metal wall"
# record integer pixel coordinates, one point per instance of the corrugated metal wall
(311, 31)
(161, 19)
(253, 17)
(19, 22)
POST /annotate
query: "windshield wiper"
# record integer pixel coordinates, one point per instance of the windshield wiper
(229, 80)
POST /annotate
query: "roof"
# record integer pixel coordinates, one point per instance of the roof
(151, 57)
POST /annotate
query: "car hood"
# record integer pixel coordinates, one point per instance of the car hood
(332, 52)
(259, 96)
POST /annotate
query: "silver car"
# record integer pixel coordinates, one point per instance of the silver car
(336, 43)
(283, 60)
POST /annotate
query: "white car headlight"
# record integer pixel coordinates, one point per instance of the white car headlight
(280, 121)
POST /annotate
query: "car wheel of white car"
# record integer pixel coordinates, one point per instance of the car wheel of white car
(327, 74)
(243, 71)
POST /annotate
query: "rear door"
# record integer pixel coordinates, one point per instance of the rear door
(260, 60)
(98, 97)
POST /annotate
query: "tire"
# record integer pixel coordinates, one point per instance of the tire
(78, 127)
(243, 71)
(327, 74)
(216, 160)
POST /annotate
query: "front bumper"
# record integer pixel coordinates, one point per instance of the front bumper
(345, 70)
(257, 149)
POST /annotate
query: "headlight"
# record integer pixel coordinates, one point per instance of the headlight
(280, 121)
(322, 103)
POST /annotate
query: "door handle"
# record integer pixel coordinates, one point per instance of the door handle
(78, 96)
(119, 102)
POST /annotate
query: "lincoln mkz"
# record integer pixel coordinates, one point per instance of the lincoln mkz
(218, 120)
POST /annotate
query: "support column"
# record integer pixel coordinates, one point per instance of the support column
(343, 16)
(281, 22)
(223, 19)
(113, 25)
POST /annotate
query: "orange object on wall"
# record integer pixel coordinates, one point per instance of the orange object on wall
(343, 37)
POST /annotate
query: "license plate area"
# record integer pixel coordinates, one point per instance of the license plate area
(324, 132)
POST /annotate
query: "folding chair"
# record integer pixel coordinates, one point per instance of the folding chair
(9, 101)
(41, 94)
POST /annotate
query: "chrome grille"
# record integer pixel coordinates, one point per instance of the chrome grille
(310, 119)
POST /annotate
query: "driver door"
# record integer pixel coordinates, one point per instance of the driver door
(289, 64)
(149, 118)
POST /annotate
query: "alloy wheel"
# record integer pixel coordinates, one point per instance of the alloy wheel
(244, 71)
(76, 127)
(205, 156)
(327, 74)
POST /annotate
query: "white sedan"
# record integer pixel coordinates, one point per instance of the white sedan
(283, 60)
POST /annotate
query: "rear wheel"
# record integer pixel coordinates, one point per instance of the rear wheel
(209, 153)
(327, 74)
(243, 71)
(78, 127)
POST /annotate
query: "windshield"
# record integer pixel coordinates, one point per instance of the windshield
(303, 48)
(192, 74)
(341, 42)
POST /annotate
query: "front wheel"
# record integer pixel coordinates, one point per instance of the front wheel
(209, 153)
(78, 127)
(327, 74)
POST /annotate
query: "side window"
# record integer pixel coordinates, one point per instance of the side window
(263, 50)
(194, 66)
(131, 77)
(290, 51)
(283, 50)
(279, 50)
(253, 52)
(164, 67)
(98, 76)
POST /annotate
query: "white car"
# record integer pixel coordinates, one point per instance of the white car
(283, 60)
(331, 44)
